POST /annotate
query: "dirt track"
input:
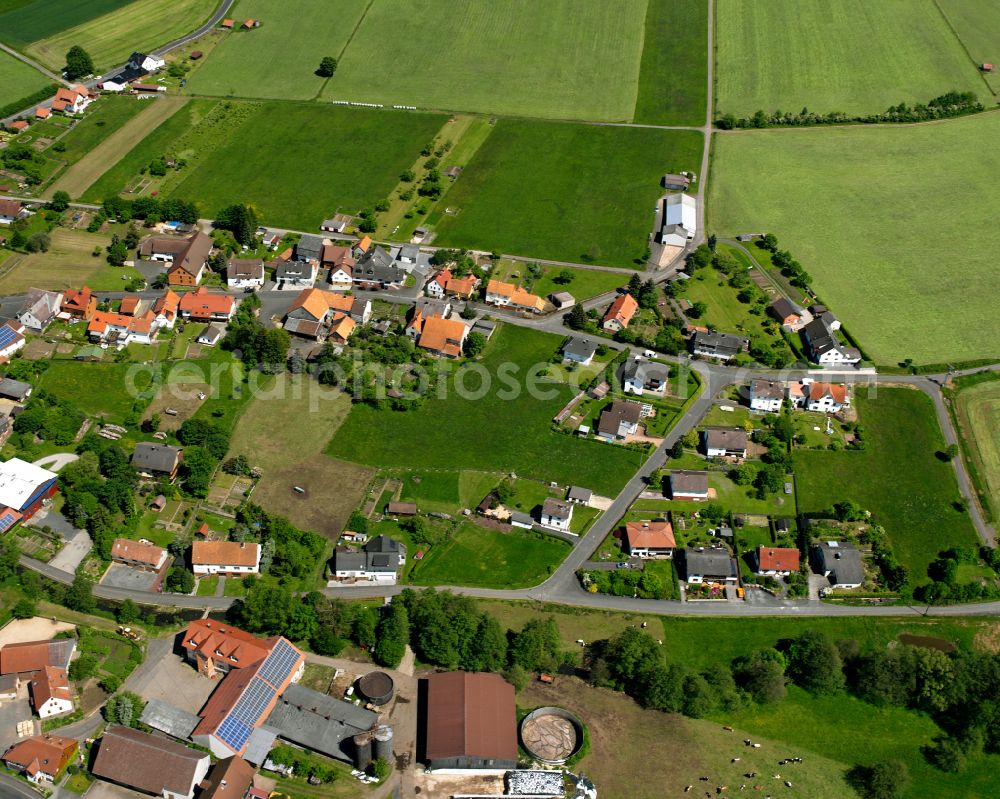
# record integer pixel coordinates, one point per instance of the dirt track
(82, 175)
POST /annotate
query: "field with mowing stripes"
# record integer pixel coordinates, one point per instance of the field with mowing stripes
(854, 56)
(142, 25)
(565, 192)
(18, 80)
(977, 408)
(977, 24)
(25, 21)
(855, 208)
(297, 41)
(560, 58)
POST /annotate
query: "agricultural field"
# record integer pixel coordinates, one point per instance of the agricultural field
(69, 263)
(18, 80)
(673, 78)
(295, 43)
(564, 192)
(493, 432)
(141, 25)
(103, 136)
(866, 238)
(291, 454)
(977, 25)
(558, 59)
(853, 56)
(479, 556)
(914, 503)
(977, 410)
(25, 21)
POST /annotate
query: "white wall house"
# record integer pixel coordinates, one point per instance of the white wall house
(557, 514)
(225, 557)
(340, 278)
(50, 692)
(766, 395)
(680, 220)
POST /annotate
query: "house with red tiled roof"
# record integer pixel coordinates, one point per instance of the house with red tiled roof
(225, 557)
(435, 286)
(201, 306)
(228, 24)
(73, 101)
(507, 295)
(120, 329)
(827, 397)
(166, 309)
(777, 561)
(443, 337)
(215, 648)
(138, 554)
(649, 539)
(41, 758)
(80, 304)
(50, 692)
(36, 655)
(620, 313)
(11, 210)
(42, 112)
(19, 125)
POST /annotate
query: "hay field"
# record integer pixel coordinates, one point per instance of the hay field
(977, 409)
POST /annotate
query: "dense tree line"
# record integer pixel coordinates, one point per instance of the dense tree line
(151, 209)
(256, 345)
(952, 104)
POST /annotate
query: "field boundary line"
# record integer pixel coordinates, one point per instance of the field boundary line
(340, 55)
(961, 44)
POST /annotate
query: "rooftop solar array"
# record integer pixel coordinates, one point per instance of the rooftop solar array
(246, 713)
(234, 732)
(280, 663)
(7, 335)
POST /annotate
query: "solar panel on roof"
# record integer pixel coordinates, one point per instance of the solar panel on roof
(234, 733)
(253, 702)
(6, 336)
(7, 520)
(279, 664)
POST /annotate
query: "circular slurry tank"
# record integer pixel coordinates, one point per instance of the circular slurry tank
(551, 734)
(377, 687)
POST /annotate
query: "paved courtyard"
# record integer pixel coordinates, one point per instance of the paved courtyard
(76, 545)
(119, 575)
(20, 631)
(105, 790)
(12, 712)
(165, 676)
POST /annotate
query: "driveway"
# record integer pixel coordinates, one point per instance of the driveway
(56, 462)
(166, 676)
(11, 713)
(105, 790)
(74, 550)
(119, 575)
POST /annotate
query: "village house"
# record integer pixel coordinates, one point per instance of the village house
(579, 350)
(225, 557)
(788, 314)
(215, 648)
(443, 337)
(688, 485)
(139, 555)
(649, 539)
(777, 561)
(827, 397)
(319, 315)
(725, 442)
(461, 287)
(435, 286)
(619, 420)
(79, 304)
(676, 182)
(201, 306)
(166, 308)
(11, 339)
(710, 565)
(422, 311)
(408, 254)
(680, 220)
(41, 758)
(73, 101)
(711, 344)
(40, 309)
(137, 67)
(50, 692)
(767, 395)
(375, 270)
(556, 513)
(507, 295)
(824, 346)
(24, 488)
(187, 258)
(341, 263)
(295, 275)
(309, 248)
(11, 210)
(119, 329)
(231, 778)
(156, 460)
(245, 273)
(840, 562)
(151, 764)
(620, 313)
(378, 561)
(639, 376)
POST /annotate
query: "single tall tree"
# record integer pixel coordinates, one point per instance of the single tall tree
(78, 63)
(327, 67)
(241, 220)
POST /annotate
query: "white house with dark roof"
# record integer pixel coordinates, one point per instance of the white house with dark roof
(767, 395)
(725, 442)
(39, 309)
(579, 350)
(640, 376)
(557, 514)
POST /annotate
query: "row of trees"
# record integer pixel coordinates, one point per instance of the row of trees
(151, 209)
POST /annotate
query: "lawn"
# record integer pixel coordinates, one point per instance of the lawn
(446, 492)
(300, 163)
(105, 135)
(898, 477)
(565, 192)
(506, 429)
(583, 283)
(482, 557)
(866, 238)
(17, 79)
(291, 454)
(561, 58)
(278, 60)
(142, 25)
(97, 389)
(24, 21)
(673, 78)
(743, 499)
(977, 24)
(852, 56)
(69, 263)
(977, 410)
(207, 586)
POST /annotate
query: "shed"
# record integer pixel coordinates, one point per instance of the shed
(401, 509)
(196, 55)
(562, 300)
(14, 390)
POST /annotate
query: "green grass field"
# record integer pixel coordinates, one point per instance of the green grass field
(977, 409)
(898, 477)
(300, 163)
(977, 24)
(673, 79)
(854, 207)
(18, 80)
(486, 558)
(852, 56)
(295, 43)
(446, 492)
(24, 21)
(489, 433)
(565, 192)
(97, 389)
(141, 25)
(561, 59)
(585, 283)
(102, 119)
